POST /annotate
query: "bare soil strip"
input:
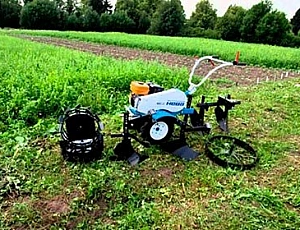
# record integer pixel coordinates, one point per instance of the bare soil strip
(244, 76)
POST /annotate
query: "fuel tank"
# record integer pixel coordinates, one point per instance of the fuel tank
(172, 100)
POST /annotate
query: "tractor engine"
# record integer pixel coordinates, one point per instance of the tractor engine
(146, 97)
(141, 89)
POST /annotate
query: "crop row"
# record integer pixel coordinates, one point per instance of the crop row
(38, 80)
(253, 54)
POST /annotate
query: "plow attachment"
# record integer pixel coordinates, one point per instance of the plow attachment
(180, 149)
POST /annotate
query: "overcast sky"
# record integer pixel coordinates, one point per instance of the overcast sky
(289, 7)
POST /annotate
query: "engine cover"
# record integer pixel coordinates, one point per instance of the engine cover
(172, 100)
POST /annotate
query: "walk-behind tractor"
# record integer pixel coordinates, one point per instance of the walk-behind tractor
(160, 117)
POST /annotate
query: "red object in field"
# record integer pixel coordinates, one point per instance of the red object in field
(237, 57)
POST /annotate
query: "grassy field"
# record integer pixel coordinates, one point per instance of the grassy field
(253, 54)
(38, 189)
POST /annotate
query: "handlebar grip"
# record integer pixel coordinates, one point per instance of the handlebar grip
(239, 63)
(216, 57)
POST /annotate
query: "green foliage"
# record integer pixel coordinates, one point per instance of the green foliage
(74, 22)
(122, 23)
(59, 3)
(198, 32)
(140, 12)
(100, 6)
(272, 28)
(130, 7)
(118, 22)
(90, 20)
(296, 22)
(70, 6)
(229, 25)
(255, 54)
(204, 17)
(56, 79)
(252, 19)
(143, 24)
(27, 1)
(105, 22)
(38, 189)
(149, 6)
(40, 14)
(291, 40)
(133, 9)
(168, 19)
(9, 13)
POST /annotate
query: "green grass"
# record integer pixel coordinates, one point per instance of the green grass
(253, 54)
(39, 190)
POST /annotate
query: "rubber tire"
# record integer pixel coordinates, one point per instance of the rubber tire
(146, 131)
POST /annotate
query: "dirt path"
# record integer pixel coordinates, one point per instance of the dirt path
(240, 75)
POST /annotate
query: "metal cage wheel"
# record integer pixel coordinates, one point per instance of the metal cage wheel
(231, 152)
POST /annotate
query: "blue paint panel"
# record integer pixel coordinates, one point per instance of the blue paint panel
(162, 113)
(188, 111)
(135, 112)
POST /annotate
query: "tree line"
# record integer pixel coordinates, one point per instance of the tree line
(259, 24)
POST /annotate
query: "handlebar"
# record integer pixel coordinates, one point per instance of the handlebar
(209, 58)
(239, 63)
(193, 87)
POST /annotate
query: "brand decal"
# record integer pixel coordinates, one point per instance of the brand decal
(175, 103)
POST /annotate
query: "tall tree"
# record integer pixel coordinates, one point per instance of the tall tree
(296, 22)
(40, 14)
(252, 19)
(140, 11)
(74, 22)
(70, 6)
(90, 20)
(229, 24)
(118, 22)
(9, 13)
(146, 9)
(100, 6)
(144, 23)
(149, 6)
(273, 28)
(168, 19)
(204, 16)
(27, 1)
(130, 7)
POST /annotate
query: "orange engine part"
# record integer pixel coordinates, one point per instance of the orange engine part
(139, 88)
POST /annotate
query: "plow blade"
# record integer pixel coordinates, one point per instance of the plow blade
(221, 118)
(125, 151)
(181, 149)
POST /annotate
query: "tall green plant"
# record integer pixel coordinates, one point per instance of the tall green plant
(296, 22)
(168, 19)
(252, 19)
(10, 13)
(41, 14)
